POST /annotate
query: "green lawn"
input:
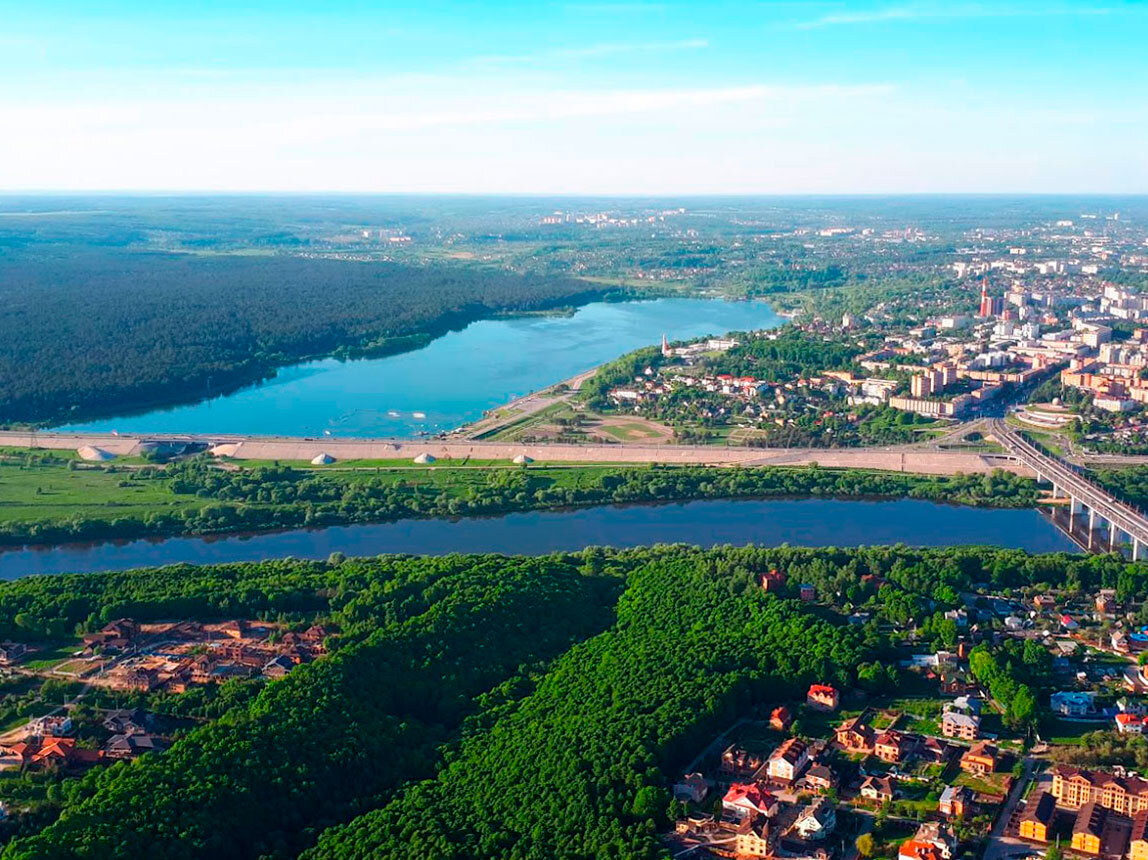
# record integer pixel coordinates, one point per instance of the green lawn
(51, 656)
(48, 492)
(45, 492)
(991, 784)
(1059, 731)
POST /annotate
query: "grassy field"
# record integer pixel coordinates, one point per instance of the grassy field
(59, 489)
(55, 491)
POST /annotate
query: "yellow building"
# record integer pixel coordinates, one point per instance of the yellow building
(1089, 828)
(1037, 818)
(1138, 847)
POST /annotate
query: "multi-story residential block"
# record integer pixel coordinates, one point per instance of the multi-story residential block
(1074, 787)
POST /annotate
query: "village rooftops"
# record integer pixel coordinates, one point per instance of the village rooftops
(1040, 809)
(1090, 820)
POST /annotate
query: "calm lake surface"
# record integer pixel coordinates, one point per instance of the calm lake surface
(451, 381)
(804, 522)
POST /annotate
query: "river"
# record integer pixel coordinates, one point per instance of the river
(449, 382)
(801, 522)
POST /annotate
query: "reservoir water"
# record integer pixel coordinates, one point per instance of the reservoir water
(800, 522)
(451, 381)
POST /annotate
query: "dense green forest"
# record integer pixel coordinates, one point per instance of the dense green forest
(491, 706)
(1129, 484)
(424, 641)
(93, 332)
(577, 770)
(197, 497)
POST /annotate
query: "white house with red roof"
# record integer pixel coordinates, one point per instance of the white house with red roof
(1130, 724)
(745, 800)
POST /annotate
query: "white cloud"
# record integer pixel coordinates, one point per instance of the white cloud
(921, 12)
(604, 49)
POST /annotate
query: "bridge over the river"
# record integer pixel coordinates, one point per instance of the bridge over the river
(1084, 495)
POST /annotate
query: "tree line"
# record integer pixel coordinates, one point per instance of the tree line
(99, 332)
(278, 496)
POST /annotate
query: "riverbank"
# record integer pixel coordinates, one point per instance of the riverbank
(768, 522)
(57, 499)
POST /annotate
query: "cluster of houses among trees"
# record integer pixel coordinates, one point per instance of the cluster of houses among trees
(786, 802)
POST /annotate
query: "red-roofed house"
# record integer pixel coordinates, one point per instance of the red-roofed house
(781, 719)
(822, 697)
(913, 849)
(746, 800)
(1130, 724)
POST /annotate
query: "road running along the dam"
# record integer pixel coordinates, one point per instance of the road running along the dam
(297, 449)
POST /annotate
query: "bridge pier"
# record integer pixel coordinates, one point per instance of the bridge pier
(1125, 524)
(1074, 508)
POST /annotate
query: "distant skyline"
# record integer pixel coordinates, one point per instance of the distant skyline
(617, 98)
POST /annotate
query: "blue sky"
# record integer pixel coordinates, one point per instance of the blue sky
(578, 97)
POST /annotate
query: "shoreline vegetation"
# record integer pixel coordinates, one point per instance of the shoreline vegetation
(49, 499)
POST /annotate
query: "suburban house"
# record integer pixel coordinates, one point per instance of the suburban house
(817, 821)
(692, 787)
(47, 752)
(1089, 828)
(10, 652)
(739, 762)
(745, 800)
(1070, 703)
(1106, 601)
(141, 680)
(934, 751)
(854, 735)
(58, 725)
(1044, 602)
(115, 636)
(132, 745)
(980, 759)
(955, 801)
(878, 788)
(780, 719)
(1037, 818)
(124, 720)
(956, 724)
(1129, 724)
(822, 697)
(890, 746)
(773, 580)
(911, 849)
(820, 777)
(753, 839)
(788, 761)
(278, 667)
(938, 835)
